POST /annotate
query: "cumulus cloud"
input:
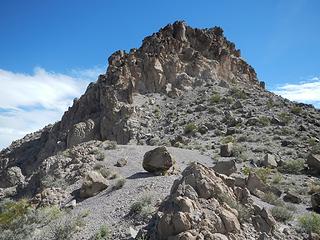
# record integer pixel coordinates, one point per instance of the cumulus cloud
(28, 102)
(306, 91)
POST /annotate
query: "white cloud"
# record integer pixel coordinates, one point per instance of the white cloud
(28, 102)
(306, 91)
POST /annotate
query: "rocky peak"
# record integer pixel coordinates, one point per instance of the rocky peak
(174, 60)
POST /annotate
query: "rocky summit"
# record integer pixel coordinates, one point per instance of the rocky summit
(177, 140)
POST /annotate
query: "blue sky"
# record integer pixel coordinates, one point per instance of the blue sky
(67, 43)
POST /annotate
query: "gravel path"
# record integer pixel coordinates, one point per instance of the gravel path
(111, 208)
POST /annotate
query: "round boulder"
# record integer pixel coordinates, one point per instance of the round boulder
(158, 160)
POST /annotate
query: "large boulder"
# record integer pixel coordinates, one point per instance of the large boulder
(93, 183)
(225, 167)
(12, 177)
(269, 160)
(313, 162)
(226, 150)
(158, 160)
(315, 201)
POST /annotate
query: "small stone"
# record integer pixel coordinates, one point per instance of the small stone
(290, 197)
(121, 162)
(226, 150)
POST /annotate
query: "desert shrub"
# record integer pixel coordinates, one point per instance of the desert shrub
(310, 223)
(50, 181)
(215, 98)
(285, 117)
(264, 121)
(277, 178)
(281, 214)
(316, 149)
(12, 211)
(228, 139)
(228, 100)
(312, 141)
(157, 112)
(119, 183)
(237, 93)
(292, 166)
(271, 198)
(190, 128)
(262, 173)
(142, 208)
(19, 220)
(270, 103)
(296, 110)
(103, 233)
(65, 227)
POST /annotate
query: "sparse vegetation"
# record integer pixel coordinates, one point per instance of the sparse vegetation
(292, 166)
(271, 198)
(262, 173)
(19, 220)
(103, 233)
(310, 223)
(142, 208)
(190, 128)
(281, 214)
(215, 98)
(119, 183)
(285, 117)
(264, 121)
(296, 110)
(277, 178)
(228, 139)
(270, 103)
(238, 93)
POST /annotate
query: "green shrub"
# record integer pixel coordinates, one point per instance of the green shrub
(296, 110)
(285, 117)
(228, 139)
(270, 103)
(103, 233)
(12, 211)
(65, 227)
(310, 222)
(281, 214)
(263, 173)
(316, 149)
(271, 198)
(264, 121)
(277, 178)
(190, 128)
(142, 208)
(215, 98)
(238, 93)
(119, 183)
(292, 166)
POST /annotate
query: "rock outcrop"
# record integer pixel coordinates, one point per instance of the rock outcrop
(201, 205)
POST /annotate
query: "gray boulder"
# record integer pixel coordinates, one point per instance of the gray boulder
(315, 201)
(269, 160)
(93, 183)
(226, 150)
(313, 162)
(158, 160)
(225, 167)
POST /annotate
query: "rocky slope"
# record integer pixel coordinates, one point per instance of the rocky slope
(184, 88)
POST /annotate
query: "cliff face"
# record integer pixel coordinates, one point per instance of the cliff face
(171, 61)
